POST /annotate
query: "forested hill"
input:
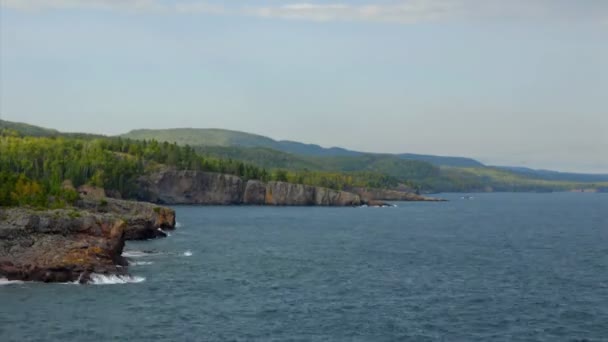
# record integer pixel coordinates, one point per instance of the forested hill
(44, 171)
(28, 130)
(555, 175)
(227, 138)
(25, 149)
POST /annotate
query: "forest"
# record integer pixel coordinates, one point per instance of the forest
(44, 171)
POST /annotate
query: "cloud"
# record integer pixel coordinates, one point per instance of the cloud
(398, 11)
(133, 5)
(404, 11)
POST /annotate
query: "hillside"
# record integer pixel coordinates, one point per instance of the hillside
(28, 130)
(555, 175)
(254, 156)
(228, 138)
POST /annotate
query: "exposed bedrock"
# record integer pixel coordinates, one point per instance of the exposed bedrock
(143, 220)
(193, 187)
(59, 245)
(67, 245)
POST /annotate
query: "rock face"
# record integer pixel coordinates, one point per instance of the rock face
(143, 220)
(59, 245)
(193, 187)
(371, 196)
(255, 193)
(71, 244)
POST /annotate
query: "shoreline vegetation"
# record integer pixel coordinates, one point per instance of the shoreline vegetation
(69, 201)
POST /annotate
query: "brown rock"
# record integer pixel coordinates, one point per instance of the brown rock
(143, 220)
(255, 193)
(59, 245)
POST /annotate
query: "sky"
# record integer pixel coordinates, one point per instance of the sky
(517, 82)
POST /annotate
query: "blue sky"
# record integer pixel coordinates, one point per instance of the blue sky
(509, 82)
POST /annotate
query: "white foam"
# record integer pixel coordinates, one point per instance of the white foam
(178, 224)
(140, 263)
(4, 281)
(102, 279)
(164, 232)
(187, 253)
(134, 254)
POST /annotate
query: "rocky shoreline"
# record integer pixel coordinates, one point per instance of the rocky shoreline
(74, 244)
(207, 188)
(79, 243)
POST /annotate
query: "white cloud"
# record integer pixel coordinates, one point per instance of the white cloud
(404, 11)
(399, 11)
(136, 5)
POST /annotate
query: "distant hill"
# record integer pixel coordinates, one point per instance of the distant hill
(443, 161)
(387, 164)
(555, 175)
(28, 130)
(428, 173)
(228, 138)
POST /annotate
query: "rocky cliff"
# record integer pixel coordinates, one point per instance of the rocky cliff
(72, 244)
(143, 220)
(59, 245)
(193, 187)
(371, 196)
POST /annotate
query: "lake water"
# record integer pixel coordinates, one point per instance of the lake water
(499, 267)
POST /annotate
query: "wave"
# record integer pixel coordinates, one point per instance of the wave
(140, 263)
(102, 279)
(379, 206)
(187, 253)
(178, 224)
(136, 254)
(4, 281)
(167, 234)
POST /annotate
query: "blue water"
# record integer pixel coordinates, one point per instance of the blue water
(499, 267)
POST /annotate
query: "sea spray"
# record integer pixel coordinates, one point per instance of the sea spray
(4, 281)
(102, 279)
(140, 263)
(166, 234)
(136, 254)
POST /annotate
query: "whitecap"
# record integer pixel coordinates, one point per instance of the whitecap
(187, 253)
(178, 224)
(4, 281)
(102, 279)
(164, 232)
(135, 254)
(140, 263)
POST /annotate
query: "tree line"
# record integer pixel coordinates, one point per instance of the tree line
(44, 171)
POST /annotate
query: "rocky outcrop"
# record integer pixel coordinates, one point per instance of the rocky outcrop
(143, 220)
(71, 244)
(193, 187)
(59, 245)
(255, 193)
(324, 196)
(374, 196)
